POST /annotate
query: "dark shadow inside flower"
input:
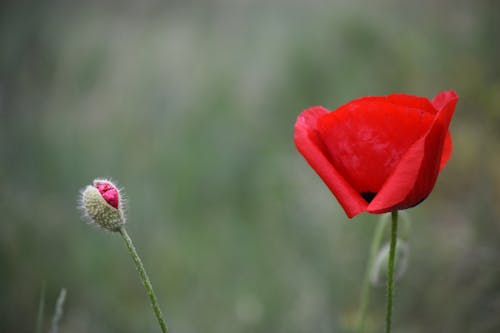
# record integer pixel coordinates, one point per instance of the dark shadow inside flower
(368, 196)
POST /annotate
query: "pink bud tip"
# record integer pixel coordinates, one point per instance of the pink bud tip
(109, 192)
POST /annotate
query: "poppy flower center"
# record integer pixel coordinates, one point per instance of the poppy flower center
(366, 141)
(368, 196)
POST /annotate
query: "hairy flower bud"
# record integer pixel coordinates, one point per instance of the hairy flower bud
(102, 205)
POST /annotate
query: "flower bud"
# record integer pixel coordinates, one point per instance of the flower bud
(102, 204)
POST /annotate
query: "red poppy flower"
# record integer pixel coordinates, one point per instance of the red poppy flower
(378, 154)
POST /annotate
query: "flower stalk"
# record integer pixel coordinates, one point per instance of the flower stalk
(145, 279)
(390, 279)
(102, 204)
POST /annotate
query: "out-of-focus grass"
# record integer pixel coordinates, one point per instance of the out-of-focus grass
(190, 106)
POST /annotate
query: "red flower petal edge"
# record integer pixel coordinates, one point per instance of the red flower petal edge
(378, 154)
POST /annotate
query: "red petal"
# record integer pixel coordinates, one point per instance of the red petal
(408, 101)
(310, 145)
(447, 148)
(366, 138)
(416, 102)
(440, 101)
(109, 192)
(416, 173)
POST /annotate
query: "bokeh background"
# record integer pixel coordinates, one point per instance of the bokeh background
(190, 106)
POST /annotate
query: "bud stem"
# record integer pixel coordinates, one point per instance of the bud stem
(390, 279)
(145, 279)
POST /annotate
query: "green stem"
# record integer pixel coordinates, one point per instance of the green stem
(145, 279)
(390, 279)
(365, 291)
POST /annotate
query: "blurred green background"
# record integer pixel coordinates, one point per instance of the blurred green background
(190, 106)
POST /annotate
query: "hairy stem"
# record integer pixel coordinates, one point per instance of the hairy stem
(390, 278)
(145, 280)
